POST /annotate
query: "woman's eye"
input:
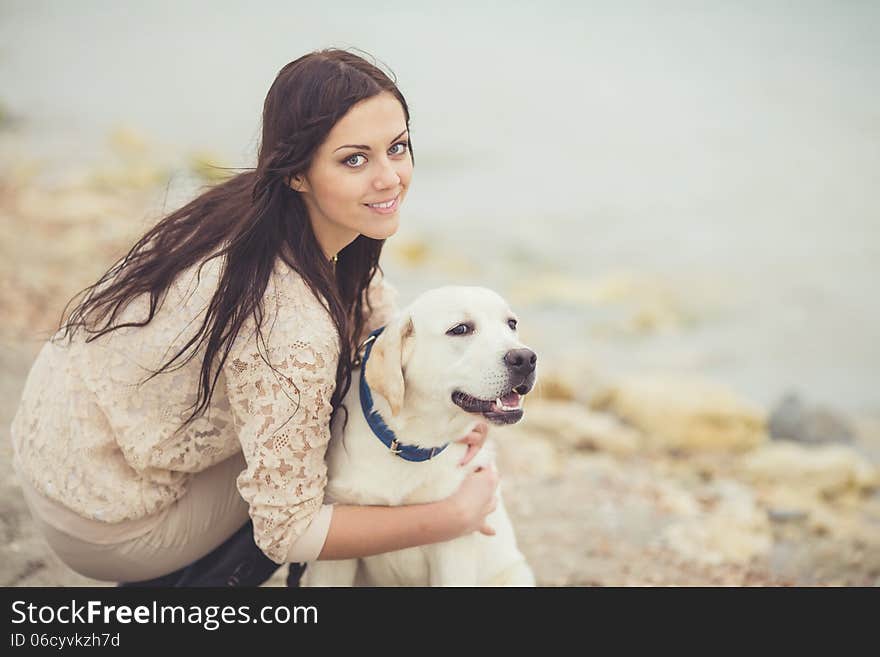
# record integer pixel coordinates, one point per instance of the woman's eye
(512, 324)
(461, 329)
(352, 163)
(405, 145)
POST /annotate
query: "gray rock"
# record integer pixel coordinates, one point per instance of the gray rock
(791, 419)
(786, 515)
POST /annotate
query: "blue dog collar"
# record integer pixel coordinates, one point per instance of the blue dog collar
(377, 424)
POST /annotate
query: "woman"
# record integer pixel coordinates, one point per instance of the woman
(194, 384)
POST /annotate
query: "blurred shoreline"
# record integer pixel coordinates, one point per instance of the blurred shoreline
(689, 190)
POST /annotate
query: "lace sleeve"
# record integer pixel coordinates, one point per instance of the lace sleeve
(282, 415)
(383, 297)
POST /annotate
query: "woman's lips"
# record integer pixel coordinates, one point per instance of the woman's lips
(389, 210)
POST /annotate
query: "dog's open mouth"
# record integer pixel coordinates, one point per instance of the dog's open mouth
(506, 409)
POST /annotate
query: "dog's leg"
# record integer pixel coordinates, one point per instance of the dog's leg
(452, 563)
(501, 562)
(330, 573)
(518, 574)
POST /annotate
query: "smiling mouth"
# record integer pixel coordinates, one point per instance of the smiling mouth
(506, 409)
(385, 206)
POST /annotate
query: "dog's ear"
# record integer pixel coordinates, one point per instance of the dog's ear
(385, 366)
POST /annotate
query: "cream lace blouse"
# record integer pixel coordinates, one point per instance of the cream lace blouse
(88, 436)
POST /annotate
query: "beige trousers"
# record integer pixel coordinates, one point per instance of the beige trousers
(210, 512)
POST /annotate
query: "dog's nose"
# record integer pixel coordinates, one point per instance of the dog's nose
(521, 361)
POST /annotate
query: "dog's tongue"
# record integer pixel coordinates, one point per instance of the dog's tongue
(510, 399)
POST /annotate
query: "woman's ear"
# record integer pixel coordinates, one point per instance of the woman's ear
(296, 183)
(385, 365)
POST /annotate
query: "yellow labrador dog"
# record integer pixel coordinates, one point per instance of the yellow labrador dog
(448, 359)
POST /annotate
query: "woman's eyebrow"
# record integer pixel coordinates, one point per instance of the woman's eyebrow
(365, 147)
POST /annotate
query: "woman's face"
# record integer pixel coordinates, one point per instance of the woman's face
(364, 160)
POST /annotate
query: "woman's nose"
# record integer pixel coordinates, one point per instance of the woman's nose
(388, 176)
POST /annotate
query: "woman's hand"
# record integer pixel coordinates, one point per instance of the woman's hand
(474, 440)
(475, 499)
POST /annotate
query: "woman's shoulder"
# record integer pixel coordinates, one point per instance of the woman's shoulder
(291, 288)
(291, 312)
(285, 283)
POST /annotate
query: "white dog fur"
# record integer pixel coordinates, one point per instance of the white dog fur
(414, 368)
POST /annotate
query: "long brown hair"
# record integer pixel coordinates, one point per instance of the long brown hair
(251, 219)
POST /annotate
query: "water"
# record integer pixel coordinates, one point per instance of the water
(729, 152)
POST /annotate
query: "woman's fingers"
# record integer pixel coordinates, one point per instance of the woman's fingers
(471, 453)
(475, 441)
(486, 529)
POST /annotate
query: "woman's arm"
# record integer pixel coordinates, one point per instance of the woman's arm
(281, 413)
(362, 531)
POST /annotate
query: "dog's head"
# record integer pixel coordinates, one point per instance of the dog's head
(457, 346)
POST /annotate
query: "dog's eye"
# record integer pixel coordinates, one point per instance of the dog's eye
(460, 329)
(512, 324)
